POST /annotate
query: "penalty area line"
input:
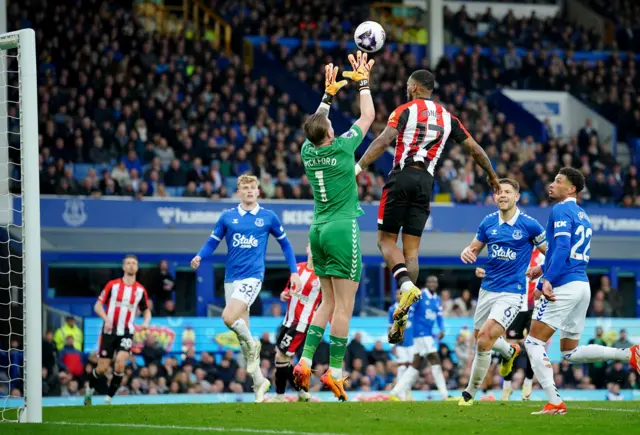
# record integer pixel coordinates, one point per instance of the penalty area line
(190, 428)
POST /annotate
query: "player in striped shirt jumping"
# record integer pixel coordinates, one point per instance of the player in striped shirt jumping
(123, 297)
(300, 309)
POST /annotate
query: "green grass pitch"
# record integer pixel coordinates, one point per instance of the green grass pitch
(369, 418)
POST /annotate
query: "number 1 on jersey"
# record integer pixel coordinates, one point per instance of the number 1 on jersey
(323, 191)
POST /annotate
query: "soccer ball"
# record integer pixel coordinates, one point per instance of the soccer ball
(369, 36)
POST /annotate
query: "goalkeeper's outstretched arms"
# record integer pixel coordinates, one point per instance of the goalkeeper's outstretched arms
(360, 74)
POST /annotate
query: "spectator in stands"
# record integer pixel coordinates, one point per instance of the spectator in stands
(160, 283)
(617, 374)
(612, 296)
(152, 351)
(49, 352)
(197, 174)
(69, 329)
(597, 371)
(622, 342)
(600, 307)
(355, 351)
(268, 351)
(71, 359)
(465, 305)
(167, 309)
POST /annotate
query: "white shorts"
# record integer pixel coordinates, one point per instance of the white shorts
(424, 346)
(245, 290)
(404, 354)
(501, 307)
(568, 311)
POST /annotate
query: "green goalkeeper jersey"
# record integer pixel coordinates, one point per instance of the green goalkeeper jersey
(331, 173)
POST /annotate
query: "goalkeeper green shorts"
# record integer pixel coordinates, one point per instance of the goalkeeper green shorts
(335, 247)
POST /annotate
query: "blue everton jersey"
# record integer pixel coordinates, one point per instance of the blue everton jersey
(246, 234)
(569, 220)
(427, 315)
(509, 248)
(408, 332)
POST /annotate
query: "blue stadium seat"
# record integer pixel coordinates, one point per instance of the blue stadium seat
(230, 184)
(175, 191)
(81, 170)
(103, 167)
(171, 191)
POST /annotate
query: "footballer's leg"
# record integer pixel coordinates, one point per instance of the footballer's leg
(387, 242)
(436, 370)
(571, 330)
(283, 366)
(486, 337)
(535, 344)
(410, 376)
(345, 294)
(494, 313)
(302, 371)
(118, 373)
(98, 373)
(239, 297)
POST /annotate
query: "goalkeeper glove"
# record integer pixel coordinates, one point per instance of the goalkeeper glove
(361, 70)
(331, 87)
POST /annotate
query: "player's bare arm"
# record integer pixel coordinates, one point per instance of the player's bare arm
(377, 147)
(470, 254)
(481, 158)
(98, 308)
(146, 315)
(360, 74)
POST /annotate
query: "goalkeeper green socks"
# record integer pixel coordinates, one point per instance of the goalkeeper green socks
(314, 337)
(337, 348)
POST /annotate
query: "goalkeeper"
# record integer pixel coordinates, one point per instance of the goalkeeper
(334, 235)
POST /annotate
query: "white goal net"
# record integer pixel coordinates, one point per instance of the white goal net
(20, 292)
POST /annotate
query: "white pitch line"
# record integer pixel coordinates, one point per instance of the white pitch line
(606, 409)
(590, 408)
(192, 428)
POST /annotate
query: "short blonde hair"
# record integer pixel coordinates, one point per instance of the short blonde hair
(247, 179)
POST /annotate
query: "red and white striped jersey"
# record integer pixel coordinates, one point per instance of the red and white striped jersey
(537, 259)
(301, 307)
(122, 301)
(423, 130)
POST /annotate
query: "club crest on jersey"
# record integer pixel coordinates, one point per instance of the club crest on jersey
(517, 235)
(259, 222)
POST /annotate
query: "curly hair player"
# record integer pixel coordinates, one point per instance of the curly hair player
(565, 287)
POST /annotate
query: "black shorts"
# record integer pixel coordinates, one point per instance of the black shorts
(111, 344)
(289, 340)
(405, 201)
(520, 324)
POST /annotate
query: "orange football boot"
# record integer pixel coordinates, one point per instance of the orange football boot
(301, 376)
(559, 409)
(336, 387)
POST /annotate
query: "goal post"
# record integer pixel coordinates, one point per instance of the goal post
(19, 70)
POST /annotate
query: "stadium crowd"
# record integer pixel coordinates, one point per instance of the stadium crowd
(124, 112)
